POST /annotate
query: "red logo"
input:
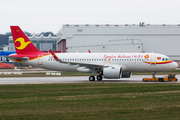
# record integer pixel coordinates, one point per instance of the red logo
(158, 58)
(146, 56)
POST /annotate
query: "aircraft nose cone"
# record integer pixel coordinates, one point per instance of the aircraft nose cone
(175, 65)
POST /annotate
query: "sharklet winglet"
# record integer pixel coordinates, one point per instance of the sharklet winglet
(54, 56)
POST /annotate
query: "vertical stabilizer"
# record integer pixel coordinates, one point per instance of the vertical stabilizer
(22, 43)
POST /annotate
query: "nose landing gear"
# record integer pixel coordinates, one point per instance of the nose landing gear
(153, 74)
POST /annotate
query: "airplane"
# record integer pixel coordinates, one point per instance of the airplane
(6, 53)
(106, 65)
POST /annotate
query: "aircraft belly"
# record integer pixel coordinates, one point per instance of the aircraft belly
(148, 68)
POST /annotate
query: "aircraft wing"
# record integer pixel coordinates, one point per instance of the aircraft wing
(18, 58)
(88, 65)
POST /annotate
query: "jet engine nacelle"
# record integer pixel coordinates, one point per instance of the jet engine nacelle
(112, 72)
(126, 75)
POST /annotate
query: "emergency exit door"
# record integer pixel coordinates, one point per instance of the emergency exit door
(153, 60)
(40, 59)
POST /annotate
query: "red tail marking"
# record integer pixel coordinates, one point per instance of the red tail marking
(21, 42)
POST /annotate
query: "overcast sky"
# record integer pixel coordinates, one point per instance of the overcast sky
(36, 16)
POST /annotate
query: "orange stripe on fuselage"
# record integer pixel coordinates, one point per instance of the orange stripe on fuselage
(39, 57)
(161, 62)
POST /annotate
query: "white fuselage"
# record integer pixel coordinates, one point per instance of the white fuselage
(130, 62)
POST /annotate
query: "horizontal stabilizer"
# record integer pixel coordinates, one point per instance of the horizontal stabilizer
(23, 59)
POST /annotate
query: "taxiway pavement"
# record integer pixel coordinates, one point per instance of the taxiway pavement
(75, 79)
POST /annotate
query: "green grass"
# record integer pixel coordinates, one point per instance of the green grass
(98, 101)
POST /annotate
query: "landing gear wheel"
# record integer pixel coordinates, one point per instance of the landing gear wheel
(99, 78)
(91, 78)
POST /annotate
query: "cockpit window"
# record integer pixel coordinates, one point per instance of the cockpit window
(166, 59)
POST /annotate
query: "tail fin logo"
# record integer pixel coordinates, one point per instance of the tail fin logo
(23, 44)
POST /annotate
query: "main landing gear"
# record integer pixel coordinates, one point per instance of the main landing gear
(92, 78)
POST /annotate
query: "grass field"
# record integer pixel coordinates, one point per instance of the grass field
(90, 101)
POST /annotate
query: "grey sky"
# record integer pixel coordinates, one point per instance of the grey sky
(49, 15)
